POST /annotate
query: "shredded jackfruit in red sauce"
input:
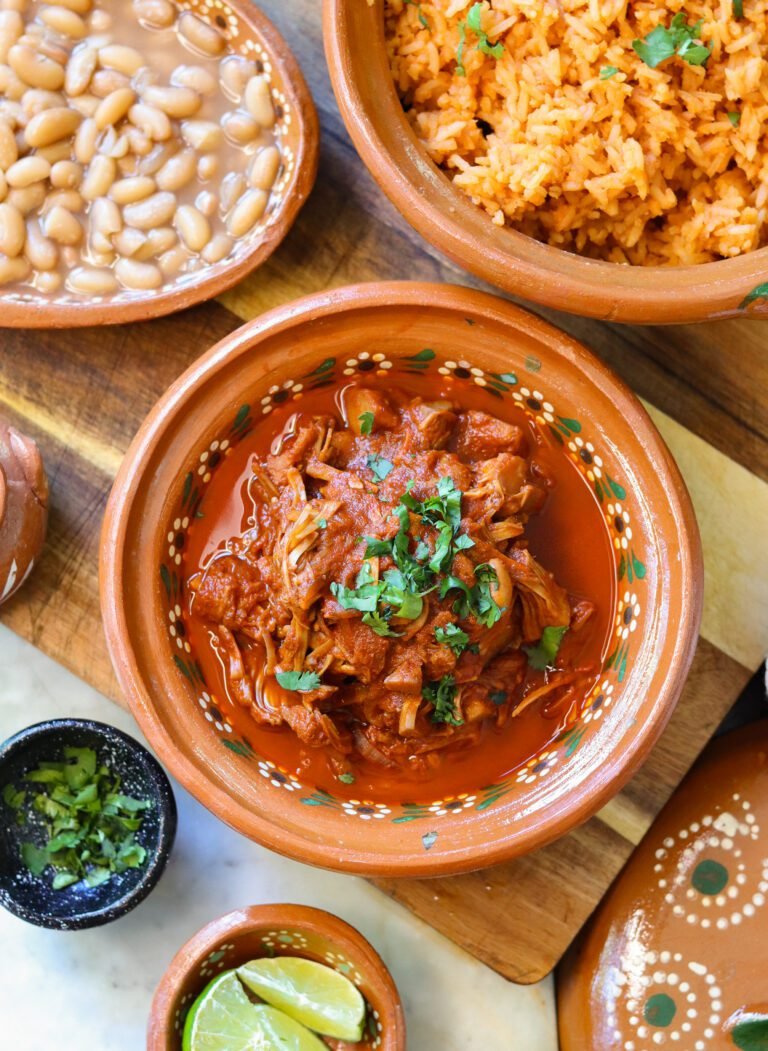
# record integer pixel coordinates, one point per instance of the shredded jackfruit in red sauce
(380, 603)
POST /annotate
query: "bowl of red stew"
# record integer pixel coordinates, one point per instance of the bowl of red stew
(400, 579)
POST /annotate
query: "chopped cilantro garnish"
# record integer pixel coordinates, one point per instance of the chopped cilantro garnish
(445, 507)
(322, 523)
(738, 9)
(375, 547)
(298, 681)
(347, 779)
(443, 555)
(498, 697)
(734, 118)
(379, 623)
(421, 551)
(453, 637)
(380, 466)
(542, 656)
(679, 39)
(477, 600)
(422, 17)
(365, 420)
(442, 695)
(474, 22)
(460, 67)
(400, 591)
(485, 608)
(89, 825)
(607, 72)
(381, 600)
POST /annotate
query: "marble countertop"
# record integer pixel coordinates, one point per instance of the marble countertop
(92, 989)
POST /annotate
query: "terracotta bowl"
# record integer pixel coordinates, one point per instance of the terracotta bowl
(423, 333)
(445, 216)
(277, 930)
(248, 33)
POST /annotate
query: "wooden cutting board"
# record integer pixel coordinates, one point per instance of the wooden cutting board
(82, 395)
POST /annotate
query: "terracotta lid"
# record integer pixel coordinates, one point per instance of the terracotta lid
(677, 954)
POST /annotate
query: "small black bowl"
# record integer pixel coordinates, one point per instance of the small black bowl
(31, 897)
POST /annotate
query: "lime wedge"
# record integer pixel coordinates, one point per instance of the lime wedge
(282, 1033)
(221, 1018)
(315, 995)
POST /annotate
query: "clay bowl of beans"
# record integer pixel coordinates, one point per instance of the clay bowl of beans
(151, 155)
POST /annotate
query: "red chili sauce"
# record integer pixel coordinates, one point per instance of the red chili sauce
(561, 526)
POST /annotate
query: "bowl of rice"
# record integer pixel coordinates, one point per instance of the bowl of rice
(605, 158)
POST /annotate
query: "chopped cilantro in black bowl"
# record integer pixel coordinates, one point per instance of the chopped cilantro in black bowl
(87, 822)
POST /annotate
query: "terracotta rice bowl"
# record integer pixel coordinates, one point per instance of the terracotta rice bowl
(356, 51)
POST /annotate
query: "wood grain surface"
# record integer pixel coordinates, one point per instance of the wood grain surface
(82, 395)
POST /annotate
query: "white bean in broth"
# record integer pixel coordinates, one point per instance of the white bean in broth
(136, 149)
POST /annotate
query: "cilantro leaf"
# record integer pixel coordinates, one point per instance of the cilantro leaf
(347, 778)
(35, 858)
(738, 9)
(498, 697)
(442, 696)
(421, 16)
(542, 656)
(379, 465)
(66, 879)
(365, 419)
(443, 555)
(474, 22)
(453, 637)
(379, 623)
(607, 72)
(13, 797)
(411, 605)
(657, 47)
(734, 118)
(462, 605)
(322, 523)
(679, 39)
(298, 681)
(421, 551)
(460, 67)
(375, 547)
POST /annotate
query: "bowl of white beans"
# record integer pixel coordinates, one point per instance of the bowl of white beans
(152, 154)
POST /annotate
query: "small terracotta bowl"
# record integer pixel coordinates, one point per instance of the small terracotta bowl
(357, 59)
(277, 930)
(248, 32)
(421, 335)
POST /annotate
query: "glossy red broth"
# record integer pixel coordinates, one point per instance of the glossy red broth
(568, 536)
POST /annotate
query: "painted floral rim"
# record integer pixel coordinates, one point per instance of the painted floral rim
(290, 942)
(617, 506)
